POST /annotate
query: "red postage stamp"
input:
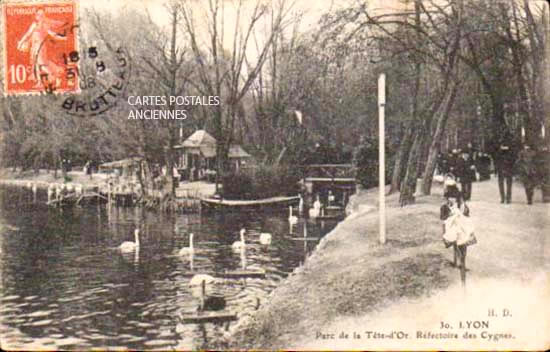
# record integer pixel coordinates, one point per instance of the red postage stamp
(38, 37)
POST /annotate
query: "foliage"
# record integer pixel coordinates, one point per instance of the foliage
(263, 182)
(365, 160)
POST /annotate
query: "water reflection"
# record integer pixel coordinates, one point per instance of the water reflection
(65, 285)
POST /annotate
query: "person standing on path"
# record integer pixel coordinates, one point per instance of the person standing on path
(505, 158)
(458, 231)
(467, 173)
(442, 164)
(527, 171)
(483, 166)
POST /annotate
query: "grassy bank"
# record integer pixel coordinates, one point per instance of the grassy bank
(351, 274)
(353, 282)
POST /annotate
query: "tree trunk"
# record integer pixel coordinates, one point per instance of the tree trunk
(401, 159)
(409, 150)
(145, 177)
(408, 186)
(55, 166)
(435, 145)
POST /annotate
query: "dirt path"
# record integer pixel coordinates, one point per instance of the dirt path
(508, 269)
(352, 285)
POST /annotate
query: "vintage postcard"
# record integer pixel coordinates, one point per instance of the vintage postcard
(274, 175)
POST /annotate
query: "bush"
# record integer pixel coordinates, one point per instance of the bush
(366, 163)
(237, 186)
(262, 182)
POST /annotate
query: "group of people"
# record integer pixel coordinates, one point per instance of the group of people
(461, 165)
(468, 165)
(529, 164)
(465, 166)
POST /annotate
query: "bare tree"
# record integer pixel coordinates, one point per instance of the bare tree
(223, 53)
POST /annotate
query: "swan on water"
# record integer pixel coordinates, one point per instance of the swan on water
(190, 249)
(265, 238)
(316, 210)
(238, 245)
(331, 198)
(131, 246)
(292, 219)
(51, 191)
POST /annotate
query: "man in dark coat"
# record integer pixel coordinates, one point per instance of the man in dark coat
(472, 151)
(442, 164)
(483, 166)
(504, 159)
(466, 173)
(528, 171)
(452, 161)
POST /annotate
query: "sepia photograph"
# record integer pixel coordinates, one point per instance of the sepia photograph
(274, 175)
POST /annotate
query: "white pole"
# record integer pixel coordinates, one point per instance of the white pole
(381, 158)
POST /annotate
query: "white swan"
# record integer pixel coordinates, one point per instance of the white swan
(265, 238)
(316, 210)
(331, 198)
(131, 246)
(188, 250)
(238, 245)
(51, 191)
(293, 220)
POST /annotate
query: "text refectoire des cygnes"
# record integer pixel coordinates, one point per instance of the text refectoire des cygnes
(144, 106)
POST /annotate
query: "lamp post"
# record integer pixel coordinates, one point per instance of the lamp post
(381, 158)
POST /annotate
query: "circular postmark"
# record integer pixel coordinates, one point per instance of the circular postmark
(100, 76)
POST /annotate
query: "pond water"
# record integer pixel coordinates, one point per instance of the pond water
(65, 285)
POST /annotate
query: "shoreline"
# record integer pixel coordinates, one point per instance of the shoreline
(186, 190)
(351, 280)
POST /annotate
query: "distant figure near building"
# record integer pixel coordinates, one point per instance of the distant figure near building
(528, 171)
(505, 158)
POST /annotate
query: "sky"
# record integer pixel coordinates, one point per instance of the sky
(312, 9)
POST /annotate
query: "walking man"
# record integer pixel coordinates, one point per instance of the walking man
(466, 173)
(505, 158)
(528, 171)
